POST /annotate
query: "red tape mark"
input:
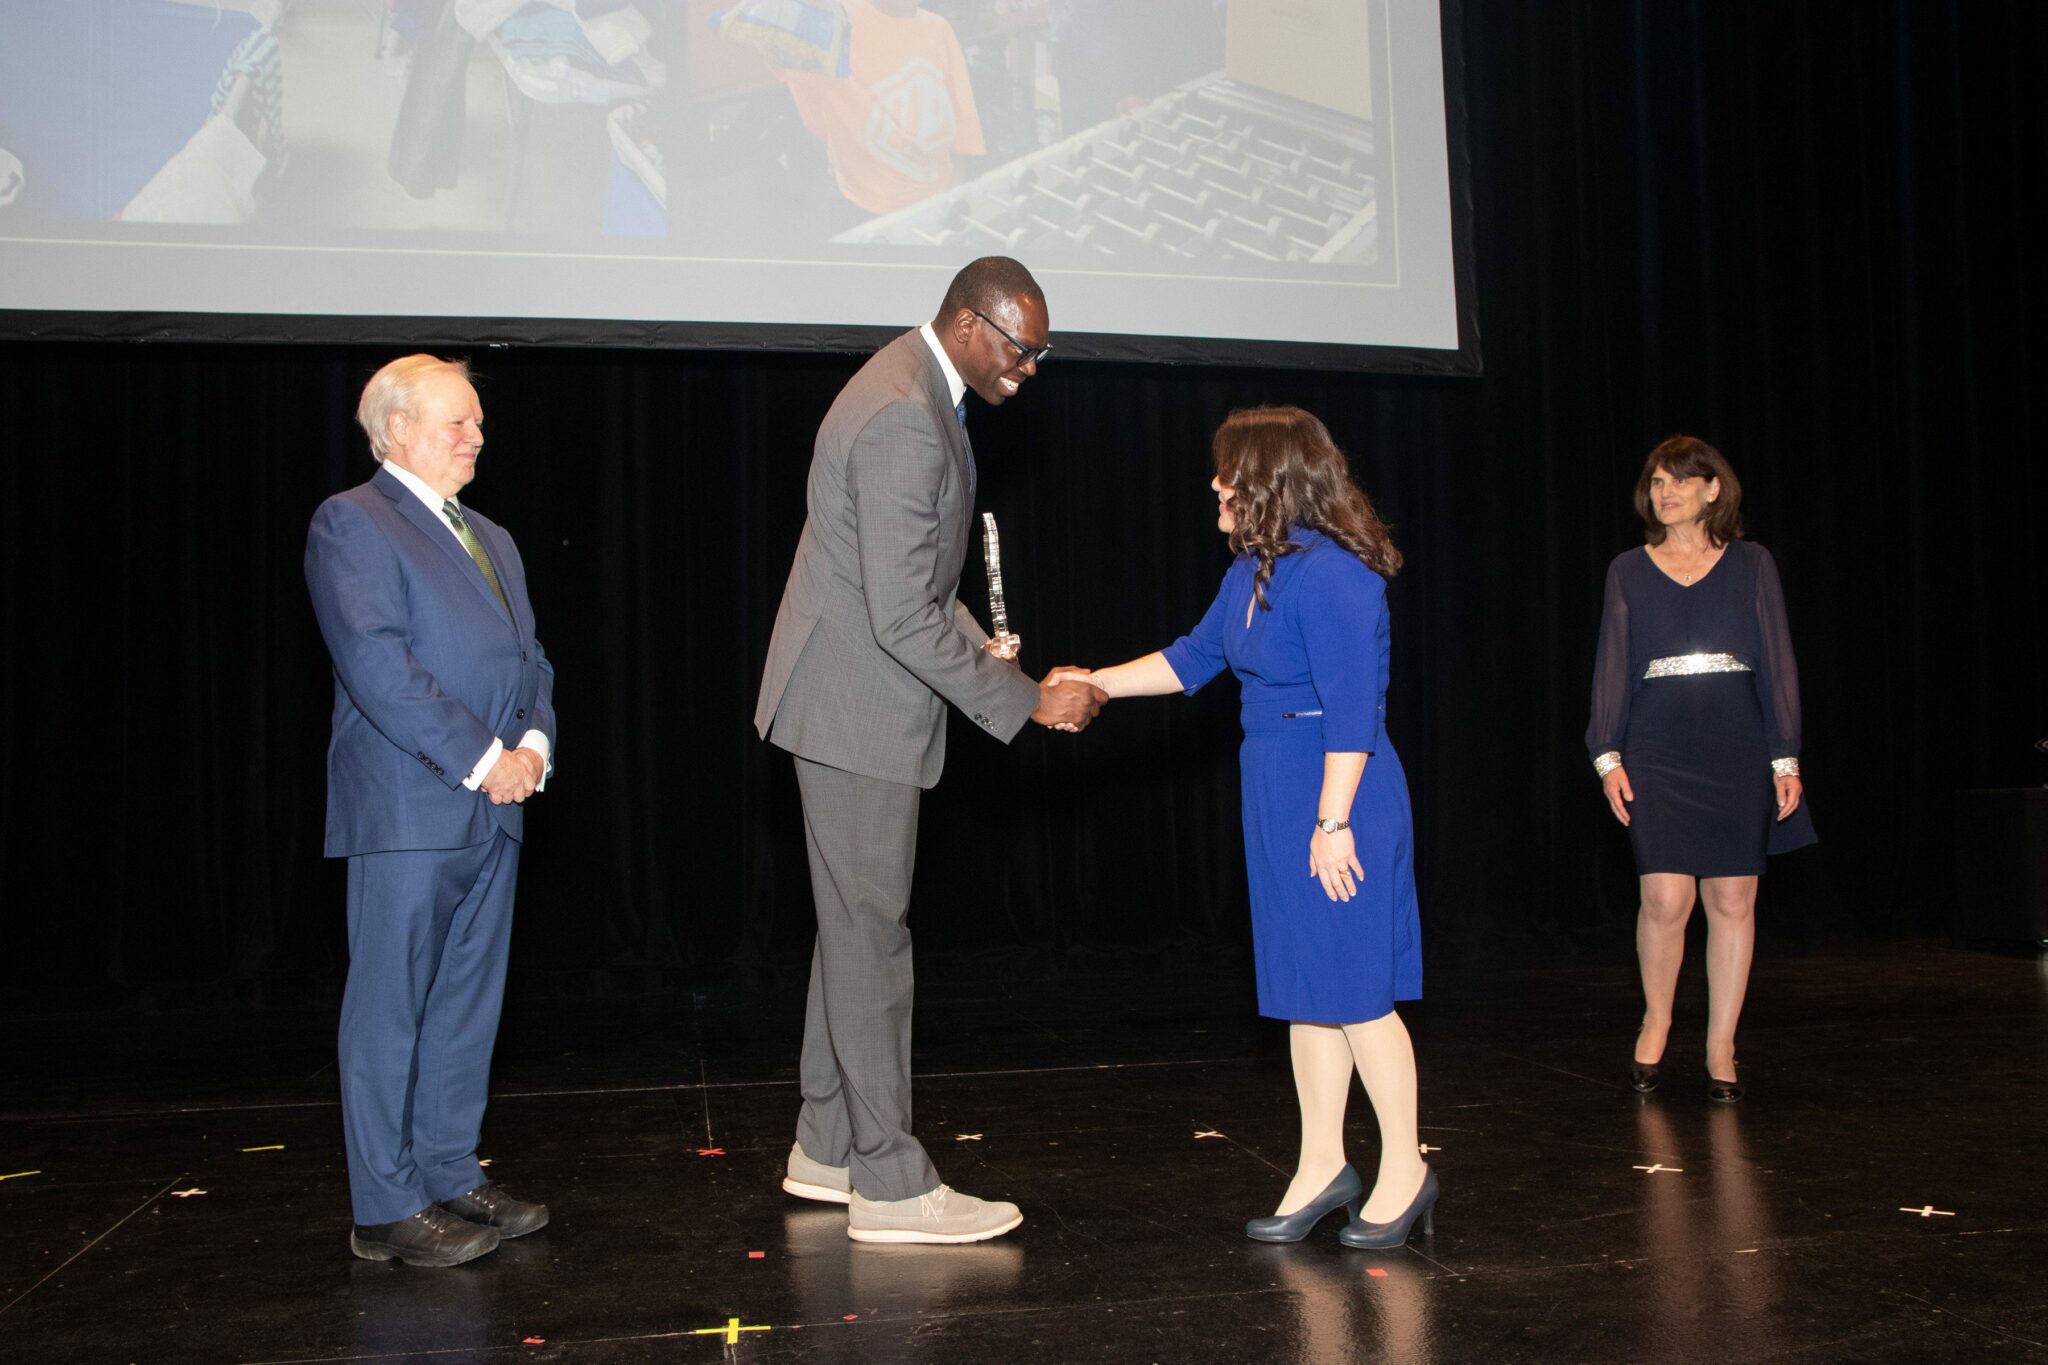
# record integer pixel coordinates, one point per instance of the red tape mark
(1377, 1273)
(711, 1151)
(756, 1255)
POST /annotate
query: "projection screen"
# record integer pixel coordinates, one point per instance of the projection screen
(1264, 181)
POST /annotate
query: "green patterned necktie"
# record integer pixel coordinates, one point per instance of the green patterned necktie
(476, 551)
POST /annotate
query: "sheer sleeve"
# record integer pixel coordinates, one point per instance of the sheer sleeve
(1611, 682)
(1777, 673)
(1341, 631)
(1197, 656)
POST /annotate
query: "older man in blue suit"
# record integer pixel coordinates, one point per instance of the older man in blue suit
(444, 725)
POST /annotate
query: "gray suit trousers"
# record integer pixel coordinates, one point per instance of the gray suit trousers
(862, 836)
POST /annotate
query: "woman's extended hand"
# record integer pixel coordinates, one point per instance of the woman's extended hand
(1789, 791)
(1067, 673)
(1333, 859)
(1618, 791)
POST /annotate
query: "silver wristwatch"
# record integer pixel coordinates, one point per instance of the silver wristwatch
(1332, 826)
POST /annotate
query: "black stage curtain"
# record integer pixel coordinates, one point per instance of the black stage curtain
(1794, 229)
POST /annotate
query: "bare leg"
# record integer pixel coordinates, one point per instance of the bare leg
(1660, 948)
(1731, 942)
(1322, 1082)
(1386, 1063)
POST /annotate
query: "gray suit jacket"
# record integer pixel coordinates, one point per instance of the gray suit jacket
(871, 640)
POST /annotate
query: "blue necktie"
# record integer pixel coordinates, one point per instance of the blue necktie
(967, 444)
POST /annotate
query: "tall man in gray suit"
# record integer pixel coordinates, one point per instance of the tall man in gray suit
(870, 644)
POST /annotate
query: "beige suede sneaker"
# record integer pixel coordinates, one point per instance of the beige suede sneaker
(808, 1179)
(942, 1215)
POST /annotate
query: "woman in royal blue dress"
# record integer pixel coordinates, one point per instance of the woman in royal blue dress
(1695, 737)
(1329, 846)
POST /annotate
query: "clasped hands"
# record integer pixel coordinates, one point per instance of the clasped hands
(1067, 708)
(515, 776)
(1067, 700)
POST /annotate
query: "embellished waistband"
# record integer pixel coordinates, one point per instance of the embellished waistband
(1683, 665)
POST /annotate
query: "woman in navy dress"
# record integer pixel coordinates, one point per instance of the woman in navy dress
(1695, 736)
(1329, 847)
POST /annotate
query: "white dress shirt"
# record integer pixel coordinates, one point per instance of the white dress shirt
(532, 739)
(955, 385)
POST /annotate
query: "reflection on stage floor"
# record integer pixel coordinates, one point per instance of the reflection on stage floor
(173, 1188)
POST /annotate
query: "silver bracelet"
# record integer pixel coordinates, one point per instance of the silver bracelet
(1785, 767)
(1607, 762)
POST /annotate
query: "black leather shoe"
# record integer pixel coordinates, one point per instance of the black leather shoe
(496, 1207)
(1642, 1076)
(1723, 1092)
(431, 1237)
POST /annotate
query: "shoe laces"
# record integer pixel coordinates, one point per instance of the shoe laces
(934, 1204)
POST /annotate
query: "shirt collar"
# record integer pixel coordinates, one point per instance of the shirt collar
(955, 385)
(418, 487)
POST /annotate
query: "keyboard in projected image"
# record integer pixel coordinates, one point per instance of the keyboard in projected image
(1216, 172)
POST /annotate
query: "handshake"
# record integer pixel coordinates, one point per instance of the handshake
(1069, 696)
(1067, 700)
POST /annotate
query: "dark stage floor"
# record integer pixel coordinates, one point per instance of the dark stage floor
(1879, 1195)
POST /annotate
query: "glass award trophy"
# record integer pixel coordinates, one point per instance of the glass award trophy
(1002, 644)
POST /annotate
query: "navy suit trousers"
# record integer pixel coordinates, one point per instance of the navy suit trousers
(429, 933)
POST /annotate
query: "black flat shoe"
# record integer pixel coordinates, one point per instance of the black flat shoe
(1380, 1236)
(1346, 1192)
(1722, 1092)
(496, 1207)
(431, 1237)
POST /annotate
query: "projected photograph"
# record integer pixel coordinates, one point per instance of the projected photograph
(715, 159)
(1171, 130)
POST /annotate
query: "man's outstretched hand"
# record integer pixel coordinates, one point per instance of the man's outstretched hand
(1067, 700)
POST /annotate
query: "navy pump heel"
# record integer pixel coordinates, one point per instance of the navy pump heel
(1379, 1236)
(1346, 1192)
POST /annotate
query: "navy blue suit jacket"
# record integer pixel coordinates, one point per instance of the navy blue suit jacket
(428, 669)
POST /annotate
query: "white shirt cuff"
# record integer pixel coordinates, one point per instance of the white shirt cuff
(483, 765)
(538, 742)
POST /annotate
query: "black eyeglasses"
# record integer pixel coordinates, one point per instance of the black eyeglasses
(1024, 353)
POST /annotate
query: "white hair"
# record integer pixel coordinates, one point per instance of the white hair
(395, 388)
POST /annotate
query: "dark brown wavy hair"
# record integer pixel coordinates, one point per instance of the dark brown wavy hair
(1688, 457)
(1287, 472)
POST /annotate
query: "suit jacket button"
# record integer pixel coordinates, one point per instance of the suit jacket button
(519, 715)
(522, 656)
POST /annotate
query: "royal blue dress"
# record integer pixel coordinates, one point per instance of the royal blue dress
(1697, 690)
(1314, 677)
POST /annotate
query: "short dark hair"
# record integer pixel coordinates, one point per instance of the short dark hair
(985, 285)
(1688, 457)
